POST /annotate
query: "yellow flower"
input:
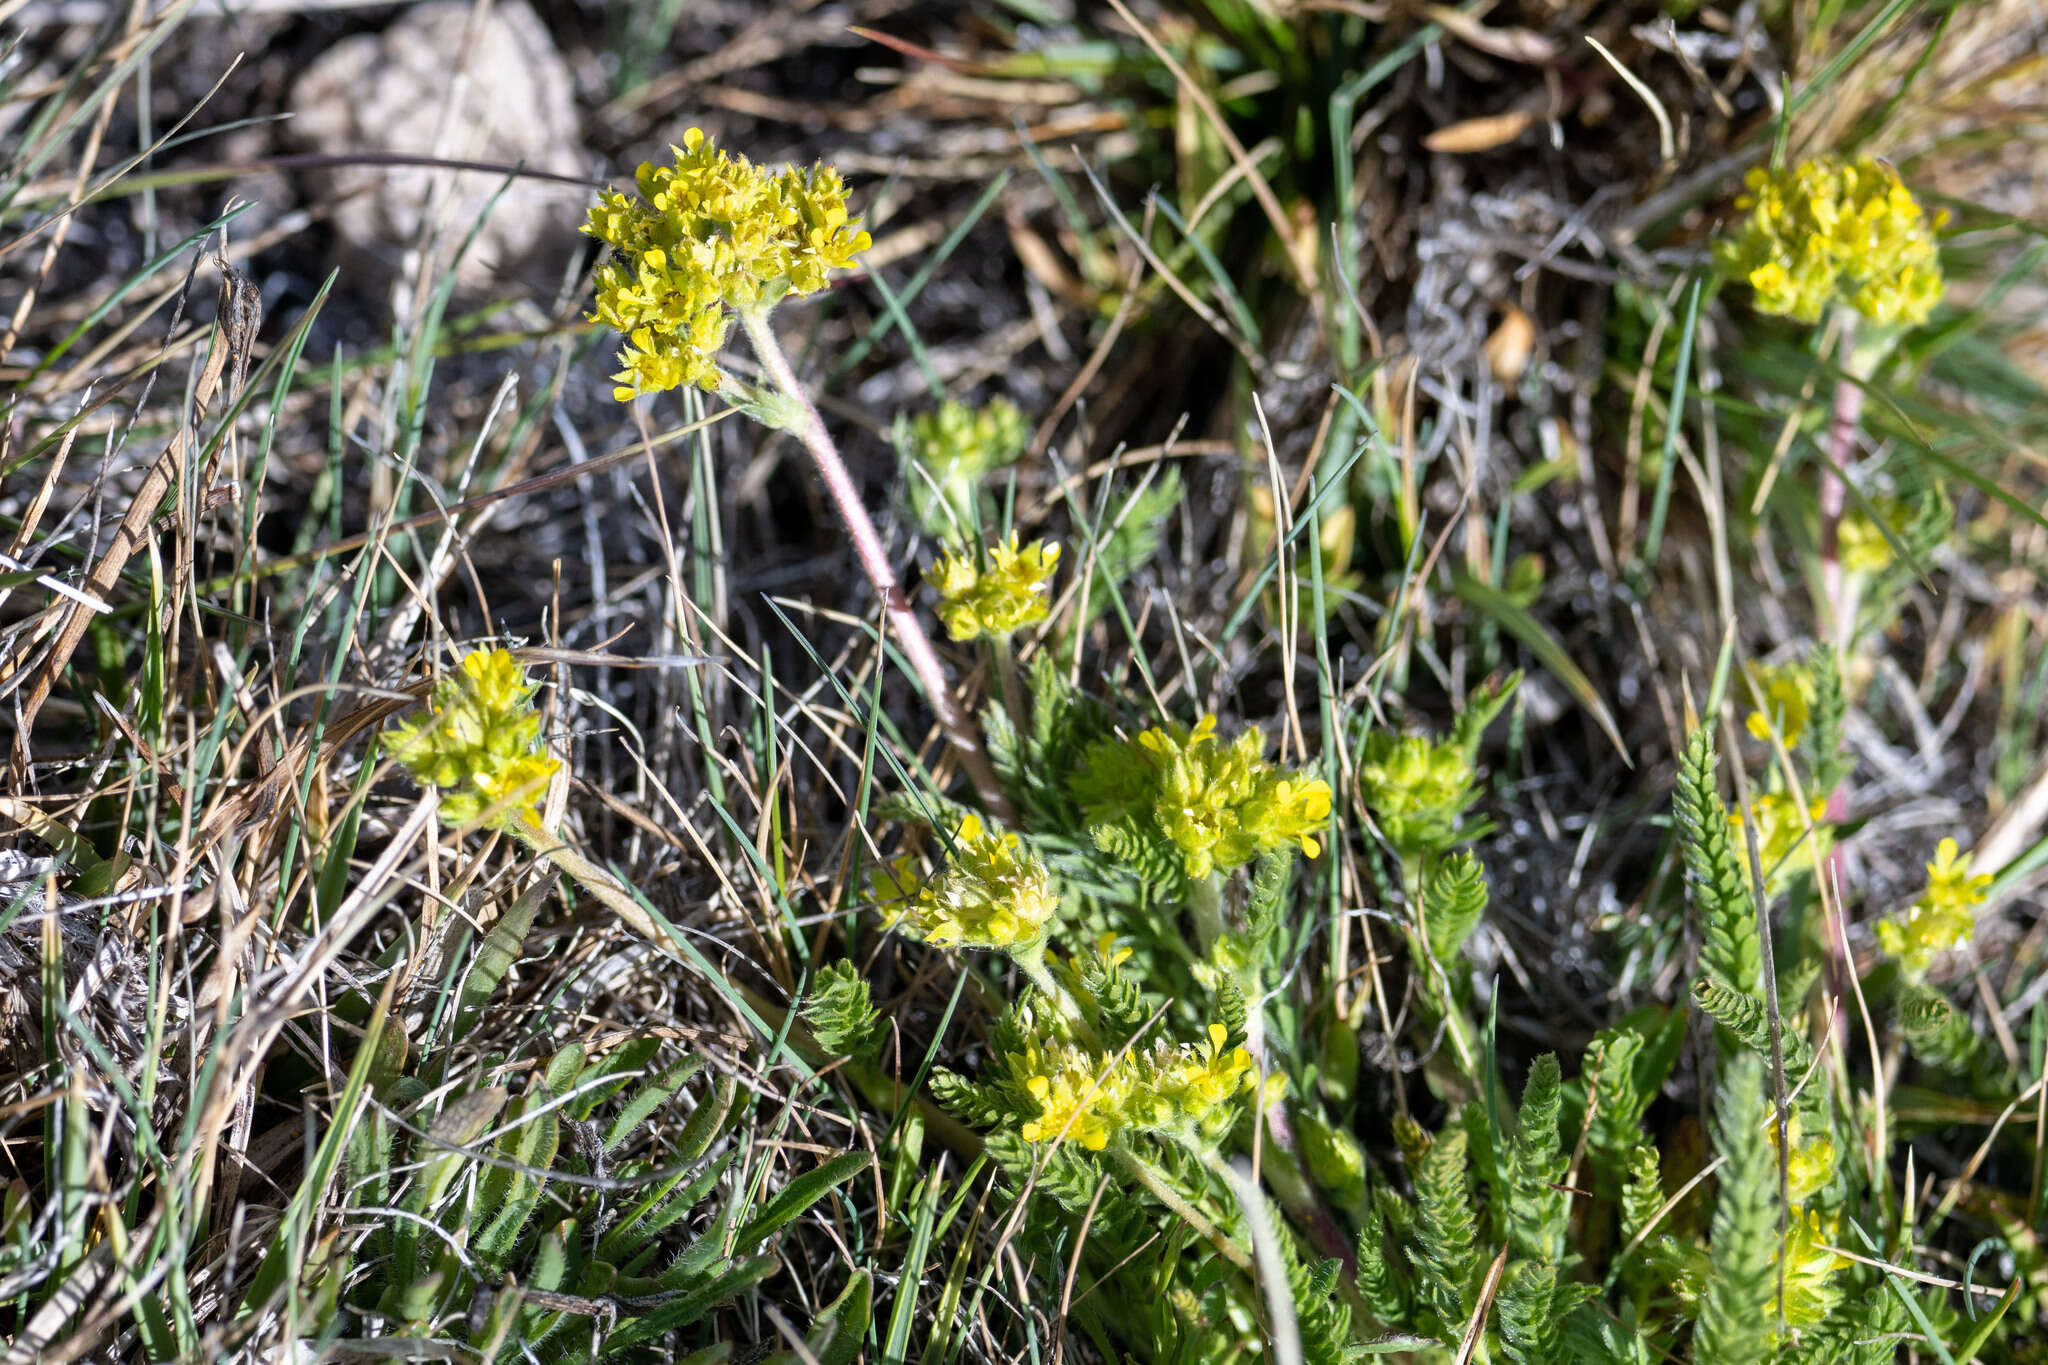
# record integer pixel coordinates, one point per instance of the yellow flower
(1860, 542)
(1188, 1092)
(1811, 1166)
(1782, 843)
(1012, 592)
(1080, 1097)
(1199, 1083)
(478, 740)
(707, 235)
(1788, 702)
(1811, 1291)
(1834, 229)
(994, 894)
(1219, 805)
(1943, 918)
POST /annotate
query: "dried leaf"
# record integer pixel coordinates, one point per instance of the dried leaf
(1481, 134)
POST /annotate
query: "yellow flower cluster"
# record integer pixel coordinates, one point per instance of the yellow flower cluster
(1788, 702)
(1943, 918)
(1834, 229)
(1811, 1291)
(1417, 789)
(1188, 1091)
(1811, 1166)
(707, 235)
(1012, 592)
(994, 894)
(1220, 805)
(955, 448)
(1860, 542)
(1782, 843)
(479, 741)
(1081, 1097)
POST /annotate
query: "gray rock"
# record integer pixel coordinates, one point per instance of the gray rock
(437, 84)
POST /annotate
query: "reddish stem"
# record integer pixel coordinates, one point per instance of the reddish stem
(808, 427)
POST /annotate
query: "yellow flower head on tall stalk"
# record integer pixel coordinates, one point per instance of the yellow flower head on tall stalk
(1787, 702)
(1834, 229)
(709, 234)
(1014, 590)
(994, 893)
(478, 740)
(1782, 843)
(1220, 805)
(1943, 918)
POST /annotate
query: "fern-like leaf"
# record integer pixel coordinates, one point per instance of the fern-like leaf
(1745, 1016)
(1822, 741)
(1453, 903)
(1528, 1324)
(1381, 1282)
(1940, 1036)
(1446, 1250)
(1713, 870)
(1736, 1316)
(1536, 1165)
(841, 1012)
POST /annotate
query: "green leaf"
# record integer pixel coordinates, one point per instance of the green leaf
(1490, 602)
(1736, 1314)
(799, 1194)
(496, 954)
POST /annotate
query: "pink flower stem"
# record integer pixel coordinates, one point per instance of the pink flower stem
(1834, 497)
(1833, 500)
(803, 422)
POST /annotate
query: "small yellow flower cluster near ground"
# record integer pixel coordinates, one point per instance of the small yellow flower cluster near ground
(1943, 918)
(1788, 702)
(1810, 1289)
(1811, 1166)
(1835, 229)
(1189, 1091)
(707, 235)
(1014, 590)
(1220, 805)
(1783, 846)
(1081, 1097)
(955, 447)
(993, 894)
(479, 741)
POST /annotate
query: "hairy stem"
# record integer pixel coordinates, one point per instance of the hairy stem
(808, 427)
(1156, 1184)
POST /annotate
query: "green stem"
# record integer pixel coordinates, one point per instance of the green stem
(1031, 962)
(1006, 677)
(1155, 1183)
